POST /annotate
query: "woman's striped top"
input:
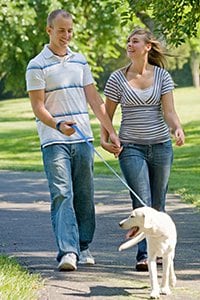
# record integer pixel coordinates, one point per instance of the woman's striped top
(142, 118)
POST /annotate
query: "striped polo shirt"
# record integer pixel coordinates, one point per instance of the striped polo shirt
(142, 118)
(63, 80)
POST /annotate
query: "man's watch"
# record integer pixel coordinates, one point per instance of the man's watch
(58, 125)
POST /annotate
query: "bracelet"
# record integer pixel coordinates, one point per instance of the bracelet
(58, 125)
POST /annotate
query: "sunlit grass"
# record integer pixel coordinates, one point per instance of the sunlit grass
(185, 175)
(187, 103)
(20, 148)
(16, 283)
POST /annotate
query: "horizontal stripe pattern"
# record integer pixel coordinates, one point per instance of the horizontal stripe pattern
(64, 88)
(63, 81)
(142, 117)
(35, 67)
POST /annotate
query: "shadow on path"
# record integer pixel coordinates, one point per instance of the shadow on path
(25, 232)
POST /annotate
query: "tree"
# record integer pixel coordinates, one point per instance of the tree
(15, 17)
(194, 59)
(22, 26)
(177, 23)
(101, 27)
(175, 20)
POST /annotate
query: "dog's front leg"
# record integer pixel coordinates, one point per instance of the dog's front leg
(165, 290)
(155, 290)
(172, 275)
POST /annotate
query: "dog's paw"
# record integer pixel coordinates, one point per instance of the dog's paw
(155, 294)
(165, 291)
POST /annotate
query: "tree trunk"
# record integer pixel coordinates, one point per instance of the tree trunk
(195, 67)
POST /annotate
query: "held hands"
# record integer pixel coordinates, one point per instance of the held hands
(113, 147)
(115, 139)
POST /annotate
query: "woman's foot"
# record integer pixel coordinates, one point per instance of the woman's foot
(159, 261)
(142, 265)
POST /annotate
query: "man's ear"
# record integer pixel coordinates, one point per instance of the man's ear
(48, 30)
(147, 221)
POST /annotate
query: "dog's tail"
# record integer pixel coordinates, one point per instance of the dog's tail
(132, 242)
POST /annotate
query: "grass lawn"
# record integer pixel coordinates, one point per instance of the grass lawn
(16, 283)
(20, 148)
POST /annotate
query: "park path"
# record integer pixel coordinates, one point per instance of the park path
(25, 232)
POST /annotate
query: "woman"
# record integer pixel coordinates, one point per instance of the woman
(144, 90)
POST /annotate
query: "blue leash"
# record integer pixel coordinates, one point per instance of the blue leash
(105, 162)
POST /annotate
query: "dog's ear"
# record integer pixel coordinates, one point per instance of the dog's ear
(147, 221)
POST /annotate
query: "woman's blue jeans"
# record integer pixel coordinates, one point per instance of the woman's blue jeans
(146, 169)
(69, 170)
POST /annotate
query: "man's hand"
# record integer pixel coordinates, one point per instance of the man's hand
(65, 128)
(115, 139)
(113, 147)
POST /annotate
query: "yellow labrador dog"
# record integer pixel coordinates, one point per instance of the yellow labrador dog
(160, 233)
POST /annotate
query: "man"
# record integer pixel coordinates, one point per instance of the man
(60, 83)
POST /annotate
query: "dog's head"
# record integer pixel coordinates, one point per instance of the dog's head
(139, 220)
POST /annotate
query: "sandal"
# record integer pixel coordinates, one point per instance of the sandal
(142, 265)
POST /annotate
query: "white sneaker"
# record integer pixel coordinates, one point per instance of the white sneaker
(86, 258)
(68, 262)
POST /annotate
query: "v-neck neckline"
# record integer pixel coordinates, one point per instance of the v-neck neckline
(136, 88)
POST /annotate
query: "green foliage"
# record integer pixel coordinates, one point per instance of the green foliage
(101, 27)
(15, 17)
(182, 77)
(177, 20)
(22, 26)
(179, 56)
(16, 282)
(97, 25)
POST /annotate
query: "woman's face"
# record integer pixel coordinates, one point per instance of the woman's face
(137, 47)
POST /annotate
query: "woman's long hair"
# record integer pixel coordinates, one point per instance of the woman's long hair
(156, 56)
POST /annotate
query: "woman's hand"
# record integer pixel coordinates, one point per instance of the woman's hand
(112, 148)
(179, 136)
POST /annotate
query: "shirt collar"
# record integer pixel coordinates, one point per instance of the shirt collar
(48, 53)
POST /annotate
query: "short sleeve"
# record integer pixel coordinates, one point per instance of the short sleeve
(167, 83)
(87, 74)
(34, 77)
(112, 88)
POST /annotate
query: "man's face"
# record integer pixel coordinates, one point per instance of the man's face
(60, 33)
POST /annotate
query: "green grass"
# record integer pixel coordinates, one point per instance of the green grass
(20, 149)
(19, 142)
(185, 174)
(16, 282)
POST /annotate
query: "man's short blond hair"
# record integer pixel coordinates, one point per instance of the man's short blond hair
(51, 17)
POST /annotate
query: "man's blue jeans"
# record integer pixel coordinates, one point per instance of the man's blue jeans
(146, 169)
(69, 170)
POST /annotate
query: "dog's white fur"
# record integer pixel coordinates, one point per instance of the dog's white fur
(160, 233)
